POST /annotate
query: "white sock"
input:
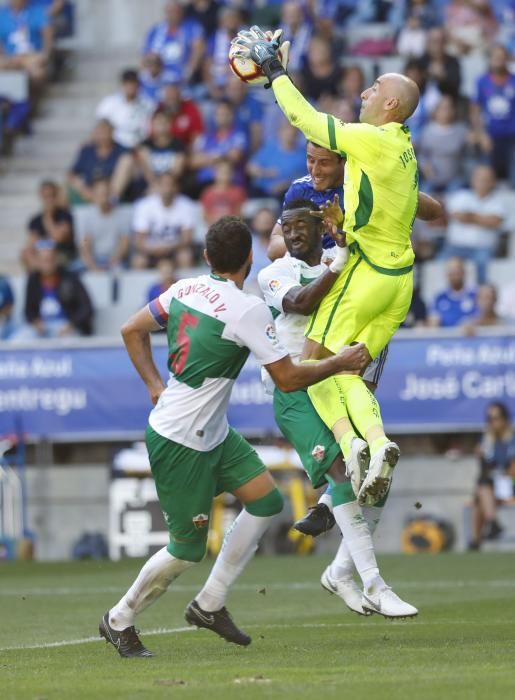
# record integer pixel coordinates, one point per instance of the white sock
(358, 539)
(327, 500)
(342, 565)
(239, 546)
(372, 515)
(152, 581)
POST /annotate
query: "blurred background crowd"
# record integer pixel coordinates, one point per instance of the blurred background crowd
(180, 142)
(114, 161)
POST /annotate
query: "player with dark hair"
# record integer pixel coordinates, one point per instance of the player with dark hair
(212, 326)
(381, 202)
(293, 286)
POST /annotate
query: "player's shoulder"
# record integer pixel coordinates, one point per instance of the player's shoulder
(299, 187)
(279, 267)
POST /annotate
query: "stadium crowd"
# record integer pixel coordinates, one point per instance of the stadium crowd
(182, 142)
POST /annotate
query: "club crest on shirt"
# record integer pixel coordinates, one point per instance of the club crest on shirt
(201, 520)
(271, 334)
(274, 285)
(318, 453)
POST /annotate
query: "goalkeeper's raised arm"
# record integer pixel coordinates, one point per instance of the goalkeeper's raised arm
(392, 98)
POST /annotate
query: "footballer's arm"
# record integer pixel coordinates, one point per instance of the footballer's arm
(276, 246)
(290, 376)
(429, 209)
(304, 300)
(136, 336)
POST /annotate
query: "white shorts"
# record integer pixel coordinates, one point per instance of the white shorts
(503, 486)
(375, 369)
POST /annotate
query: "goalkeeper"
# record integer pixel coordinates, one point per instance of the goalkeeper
(376, 284)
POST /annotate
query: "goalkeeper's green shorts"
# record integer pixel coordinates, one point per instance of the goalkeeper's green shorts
(364, 306)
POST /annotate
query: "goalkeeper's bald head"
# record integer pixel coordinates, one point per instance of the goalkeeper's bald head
(392, 98)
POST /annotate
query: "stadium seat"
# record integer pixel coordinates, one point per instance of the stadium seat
(134, 285)
(100, 288)
(14, 85)
(500, 272)
(18, 284)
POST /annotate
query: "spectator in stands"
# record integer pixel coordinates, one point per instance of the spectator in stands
(222, 198)
(179, 41)
(496, 483)
(423, 10)
(275, 165)
(103, 230)
(161, 152)
(429, 97)
(166, 271)
(487, 310)
(163, 223)
(54, 223)
(441, 68)
(327, 29)
(248, 111)
(184, 116)
(56, 302)
(60, 15)
(297, 30)
(127, 111)
(222, 140)
(338, 107)
(442, 148)
(417, 314)
(470, 25)
(261, 227)
(320, 73)
(493, 112)
(351, 86)
(7, 327)
(411, 42)
(151, 78)
(26, 40)
(205, 12)
(102, 157)
(456, 304)
(218, 45)
(476, 219)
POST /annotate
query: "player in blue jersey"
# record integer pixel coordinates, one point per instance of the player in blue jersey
(326, 171)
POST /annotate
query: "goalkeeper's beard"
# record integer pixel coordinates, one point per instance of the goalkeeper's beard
(247, 271)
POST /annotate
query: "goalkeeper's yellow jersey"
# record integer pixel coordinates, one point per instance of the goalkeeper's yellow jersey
(381, 179)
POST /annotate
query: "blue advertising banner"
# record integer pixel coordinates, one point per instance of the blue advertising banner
(89, 390)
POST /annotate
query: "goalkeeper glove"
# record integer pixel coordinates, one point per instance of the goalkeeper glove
(263, 50)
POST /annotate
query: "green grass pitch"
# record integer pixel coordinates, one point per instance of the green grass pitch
(305, 642)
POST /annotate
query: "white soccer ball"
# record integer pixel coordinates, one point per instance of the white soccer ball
(245, 69)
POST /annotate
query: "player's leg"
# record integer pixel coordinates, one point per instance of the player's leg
(377, 596)
(185, 486)
(243, 474)
(319, 519)
(322, 460)
(361, 317)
